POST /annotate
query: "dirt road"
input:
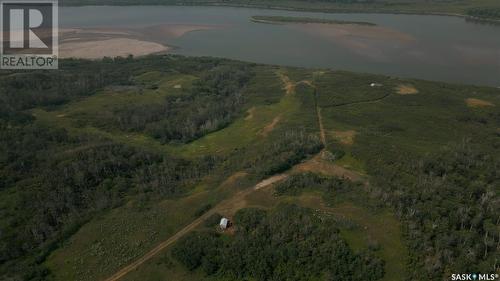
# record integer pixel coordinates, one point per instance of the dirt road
(223, 205)
(318, 113)
(321, 129)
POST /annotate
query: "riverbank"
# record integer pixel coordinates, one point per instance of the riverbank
(96, 43)
(116, 47)
(436, 9)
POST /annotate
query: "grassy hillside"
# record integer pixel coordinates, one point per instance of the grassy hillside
(101, 161)
(484, 9)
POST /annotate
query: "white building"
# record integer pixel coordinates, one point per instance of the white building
(224, 223)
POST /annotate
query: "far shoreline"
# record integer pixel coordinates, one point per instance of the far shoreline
(297, 9)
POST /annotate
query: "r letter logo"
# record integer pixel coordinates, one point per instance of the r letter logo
(29, 34)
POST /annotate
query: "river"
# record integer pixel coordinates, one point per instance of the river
(439, 48)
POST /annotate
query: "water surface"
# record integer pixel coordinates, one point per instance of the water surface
(417, 46)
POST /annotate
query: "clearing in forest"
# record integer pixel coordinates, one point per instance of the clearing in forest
(318, 165)
(344, 137)
(472, 102)
(405, 89)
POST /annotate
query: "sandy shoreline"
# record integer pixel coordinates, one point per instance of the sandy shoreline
(114, 47)
(96, 43)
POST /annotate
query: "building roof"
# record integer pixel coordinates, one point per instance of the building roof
(223, 222)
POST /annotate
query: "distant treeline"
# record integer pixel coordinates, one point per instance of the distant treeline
(481, 9)
(485, 13)
(194, 2)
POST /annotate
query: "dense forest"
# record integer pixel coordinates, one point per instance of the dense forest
(289, 243)
(212, 103)
(449, 203)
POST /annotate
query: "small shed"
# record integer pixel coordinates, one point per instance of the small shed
(224, 223)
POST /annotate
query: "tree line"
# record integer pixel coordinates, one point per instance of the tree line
(485, 13)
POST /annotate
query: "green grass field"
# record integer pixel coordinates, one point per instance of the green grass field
(113, 240)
